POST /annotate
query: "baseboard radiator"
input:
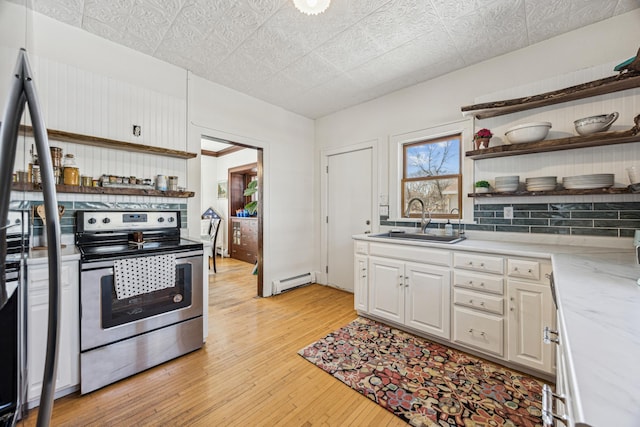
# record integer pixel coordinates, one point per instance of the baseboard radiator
(292, 282)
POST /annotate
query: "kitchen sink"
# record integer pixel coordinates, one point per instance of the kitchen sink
(420, 236)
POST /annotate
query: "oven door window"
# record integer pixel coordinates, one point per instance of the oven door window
(120, 311)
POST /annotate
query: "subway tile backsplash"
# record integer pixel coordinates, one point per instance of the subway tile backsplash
(615, 219)
(68, 219)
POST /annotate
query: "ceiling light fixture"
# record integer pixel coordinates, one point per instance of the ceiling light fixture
(311, 7)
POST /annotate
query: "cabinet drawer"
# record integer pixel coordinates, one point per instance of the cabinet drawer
(478, 262)
(523, 268)
(361, 247)
(479, 330)
(479, 282)
(484, 302)
(411, 253)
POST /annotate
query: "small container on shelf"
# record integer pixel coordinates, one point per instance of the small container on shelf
(71, 173)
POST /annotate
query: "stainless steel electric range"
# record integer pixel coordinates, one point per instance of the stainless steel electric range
(140, 293)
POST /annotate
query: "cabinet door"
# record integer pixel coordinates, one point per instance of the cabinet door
(360, 283)
(428, 299)
(386, 289)
(38, 309)
(530, 310)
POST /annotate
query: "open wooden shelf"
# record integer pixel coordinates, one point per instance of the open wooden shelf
(76, 138)
(595, 140)
(18, 186)
(563, 192)
(611, 84)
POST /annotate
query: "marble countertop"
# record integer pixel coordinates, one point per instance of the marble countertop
(599, 307)
(40, 256)
(502, 247)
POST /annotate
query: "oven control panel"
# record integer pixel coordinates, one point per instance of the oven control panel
(126, 220)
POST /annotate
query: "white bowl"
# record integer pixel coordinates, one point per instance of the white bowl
(528, 132)
(593, 124)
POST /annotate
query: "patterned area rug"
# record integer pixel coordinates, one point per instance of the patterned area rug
(424, 383)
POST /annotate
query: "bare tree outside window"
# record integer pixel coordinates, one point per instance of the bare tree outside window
(431, 172)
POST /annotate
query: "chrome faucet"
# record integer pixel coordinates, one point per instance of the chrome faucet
(423, 222)
(460, 230)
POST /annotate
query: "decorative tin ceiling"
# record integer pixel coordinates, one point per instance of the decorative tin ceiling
(315, 65)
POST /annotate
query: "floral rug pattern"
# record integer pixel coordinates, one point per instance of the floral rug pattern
(425, 383)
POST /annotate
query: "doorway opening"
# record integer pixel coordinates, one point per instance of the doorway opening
(227, 168)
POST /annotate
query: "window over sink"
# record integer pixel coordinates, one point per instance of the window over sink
(432, 172)
(429, 163)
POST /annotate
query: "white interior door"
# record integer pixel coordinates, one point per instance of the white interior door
(349, 209)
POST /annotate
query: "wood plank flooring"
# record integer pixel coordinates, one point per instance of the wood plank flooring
(247, 374)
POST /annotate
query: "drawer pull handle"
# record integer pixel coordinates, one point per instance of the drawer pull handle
(482, 264)
(482, 333)
(471, 330)
(482, 284)
(548, 416)
(470, 301)
(470, 262)
(515, 268)
(482, 303)
(546, 336)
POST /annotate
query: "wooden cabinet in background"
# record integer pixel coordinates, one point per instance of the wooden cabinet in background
(244, 239)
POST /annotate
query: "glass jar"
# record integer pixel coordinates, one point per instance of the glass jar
(71, 173)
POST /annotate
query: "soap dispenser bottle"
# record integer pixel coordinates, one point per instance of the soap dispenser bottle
(448, 229)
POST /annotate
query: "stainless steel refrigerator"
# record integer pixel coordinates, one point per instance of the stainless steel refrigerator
(22, 92)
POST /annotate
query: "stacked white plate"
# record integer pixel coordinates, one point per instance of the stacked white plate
(583, 182)
(542, 183)
(507, 183)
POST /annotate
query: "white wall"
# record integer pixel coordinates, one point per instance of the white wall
(106, 87)
(215, 169)
(289, 211)
(94, 87)
(439, 100)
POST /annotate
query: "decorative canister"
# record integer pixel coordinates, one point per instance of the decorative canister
(161, 182)
(87, 181)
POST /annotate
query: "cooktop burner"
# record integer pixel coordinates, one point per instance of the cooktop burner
(108, 235)
(131, 250)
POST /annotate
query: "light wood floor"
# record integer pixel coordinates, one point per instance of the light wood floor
(248, 372)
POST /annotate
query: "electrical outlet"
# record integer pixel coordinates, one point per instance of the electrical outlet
(508, 212)
(137, 130)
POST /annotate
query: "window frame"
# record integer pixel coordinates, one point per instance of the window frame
(404, 179)
(463, 126)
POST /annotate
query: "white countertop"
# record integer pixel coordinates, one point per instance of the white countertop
(599, 305)
(40, 256)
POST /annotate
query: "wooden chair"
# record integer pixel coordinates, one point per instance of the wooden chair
(214, 227)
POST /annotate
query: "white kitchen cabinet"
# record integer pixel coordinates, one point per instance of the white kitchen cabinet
(530, 310)
(478, 329)
(68, 371)
(416, 295)
(478, 302)
(492, 303)
(386, 288)
(360, 282)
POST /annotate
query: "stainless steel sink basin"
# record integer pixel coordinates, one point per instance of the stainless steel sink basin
(420, 236)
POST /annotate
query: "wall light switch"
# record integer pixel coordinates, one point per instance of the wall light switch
(508, 212)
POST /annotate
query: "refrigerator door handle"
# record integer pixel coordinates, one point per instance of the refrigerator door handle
(25, 92)
(8, 142)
